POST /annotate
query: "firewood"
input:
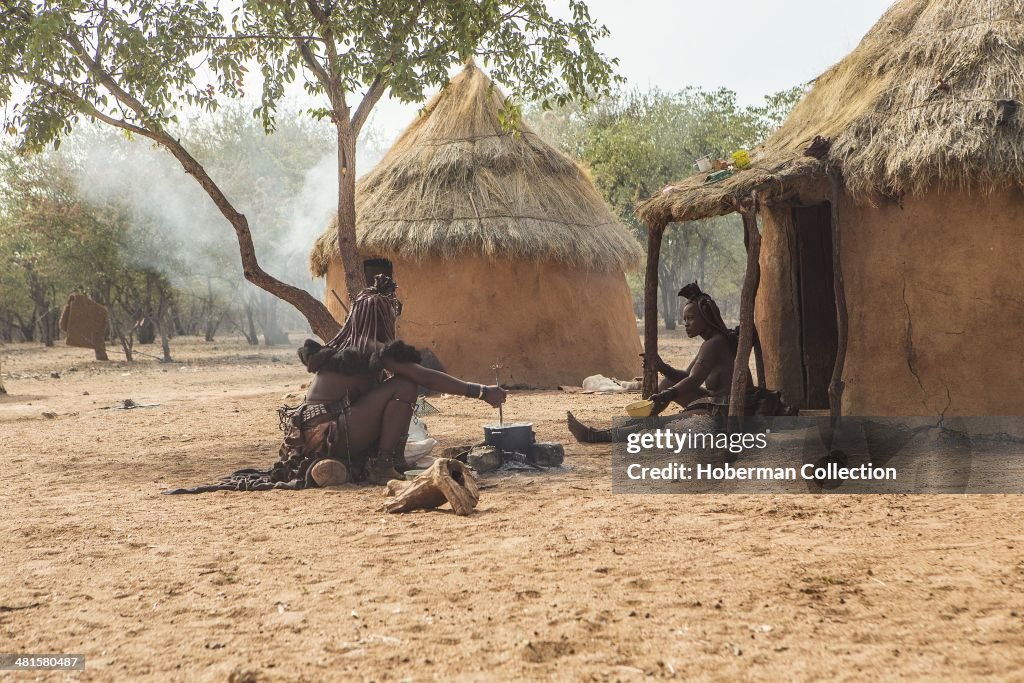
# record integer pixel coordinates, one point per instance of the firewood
(445, 481)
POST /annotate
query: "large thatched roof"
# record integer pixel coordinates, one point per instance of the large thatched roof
(455, 182)
(922, 101)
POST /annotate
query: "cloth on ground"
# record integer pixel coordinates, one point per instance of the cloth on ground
(312, 431)
(599, 384)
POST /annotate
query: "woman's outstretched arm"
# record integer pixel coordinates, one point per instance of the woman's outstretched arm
(445, 383)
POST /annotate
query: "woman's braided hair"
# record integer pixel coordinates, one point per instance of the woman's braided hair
(371, 322)
(366, 338)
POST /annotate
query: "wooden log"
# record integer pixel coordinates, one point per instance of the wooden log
(654, 235)
(837, 385)
(445, 481)
(751, 280)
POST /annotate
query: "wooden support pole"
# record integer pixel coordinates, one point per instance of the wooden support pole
(836, 386)
(751, 280)
(654, 235)
(758, 353)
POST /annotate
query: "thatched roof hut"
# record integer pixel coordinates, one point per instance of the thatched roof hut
(918, 193)
(504, 250)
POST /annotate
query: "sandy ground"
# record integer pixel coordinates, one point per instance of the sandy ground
(553, 578)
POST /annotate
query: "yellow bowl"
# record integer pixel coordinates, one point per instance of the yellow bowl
(640, 409)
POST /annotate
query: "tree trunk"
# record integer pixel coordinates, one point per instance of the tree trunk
(654, 235)
(211, 322)
(27, 327)
(347, 245)
(272, 332)
(46, 326)
(165, 340)
(126, 344)
(751, 280)
(251, 336)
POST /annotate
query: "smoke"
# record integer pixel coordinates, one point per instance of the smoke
(285, 184)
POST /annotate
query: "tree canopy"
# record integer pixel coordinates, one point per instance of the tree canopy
(139, 65)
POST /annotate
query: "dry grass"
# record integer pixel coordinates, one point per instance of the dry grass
(915, 105)
(456, 182)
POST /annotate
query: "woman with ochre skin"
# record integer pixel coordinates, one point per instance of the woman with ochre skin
(708, 376)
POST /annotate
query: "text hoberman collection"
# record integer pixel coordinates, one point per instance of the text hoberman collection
(729, 472)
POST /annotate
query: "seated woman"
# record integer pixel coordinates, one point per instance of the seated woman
(355, 421)
(708, 378)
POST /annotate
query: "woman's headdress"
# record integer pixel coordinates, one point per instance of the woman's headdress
(372, 318)
(708, 310)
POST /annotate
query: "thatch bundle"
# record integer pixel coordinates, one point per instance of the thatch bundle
(457, 182)
(929, 98)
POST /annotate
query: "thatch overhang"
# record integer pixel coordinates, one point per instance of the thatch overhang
(930, 97)
(456, 182)
(778, 178)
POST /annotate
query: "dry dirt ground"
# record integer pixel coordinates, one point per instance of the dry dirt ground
(553, 578)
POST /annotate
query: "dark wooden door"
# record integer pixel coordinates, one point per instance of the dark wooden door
(819, 337)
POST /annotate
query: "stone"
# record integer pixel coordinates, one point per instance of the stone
(546, 454)
(458, 452)
(485, 458)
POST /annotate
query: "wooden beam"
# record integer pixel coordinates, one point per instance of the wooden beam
(654, 235)
(837, 385)
(751, 280)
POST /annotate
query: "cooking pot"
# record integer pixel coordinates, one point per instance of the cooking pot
(517, 437)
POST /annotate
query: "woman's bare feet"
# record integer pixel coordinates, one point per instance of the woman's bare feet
(585, 434)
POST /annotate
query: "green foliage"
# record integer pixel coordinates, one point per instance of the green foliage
(407, 48)
(134, 63)
(636, 143)
(138, 65)
(776, 108)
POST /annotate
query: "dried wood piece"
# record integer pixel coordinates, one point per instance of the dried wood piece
(445, 481)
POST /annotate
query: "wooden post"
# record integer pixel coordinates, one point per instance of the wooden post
(758, 354)
(751, 280)
(654, 235)
(836, 386)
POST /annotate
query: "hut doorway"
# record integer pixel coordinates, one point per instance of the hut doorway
(816, 301)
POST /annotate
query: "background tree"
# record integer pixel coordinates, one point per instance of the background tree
(136, 65)
(354, 52)
(637, 142)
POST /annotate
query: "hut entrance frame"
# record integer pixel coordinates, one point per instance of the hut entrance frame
(823, 315)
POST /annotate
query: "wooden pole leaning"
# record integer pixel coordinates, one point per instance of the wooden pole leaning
(654, 235)
(751, 281)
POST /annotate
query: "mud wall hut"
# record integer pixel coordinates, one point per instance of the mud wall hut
(890, 220)
(503, 250)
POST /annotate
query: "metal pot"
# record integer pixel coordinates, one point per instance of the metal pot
(511, 437)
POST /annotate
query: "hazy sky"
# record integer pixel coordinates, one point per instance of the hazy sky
(754, 47)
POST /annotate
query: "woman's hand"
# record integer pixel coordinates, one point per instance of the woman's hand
(661, 400)
(495, 395)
